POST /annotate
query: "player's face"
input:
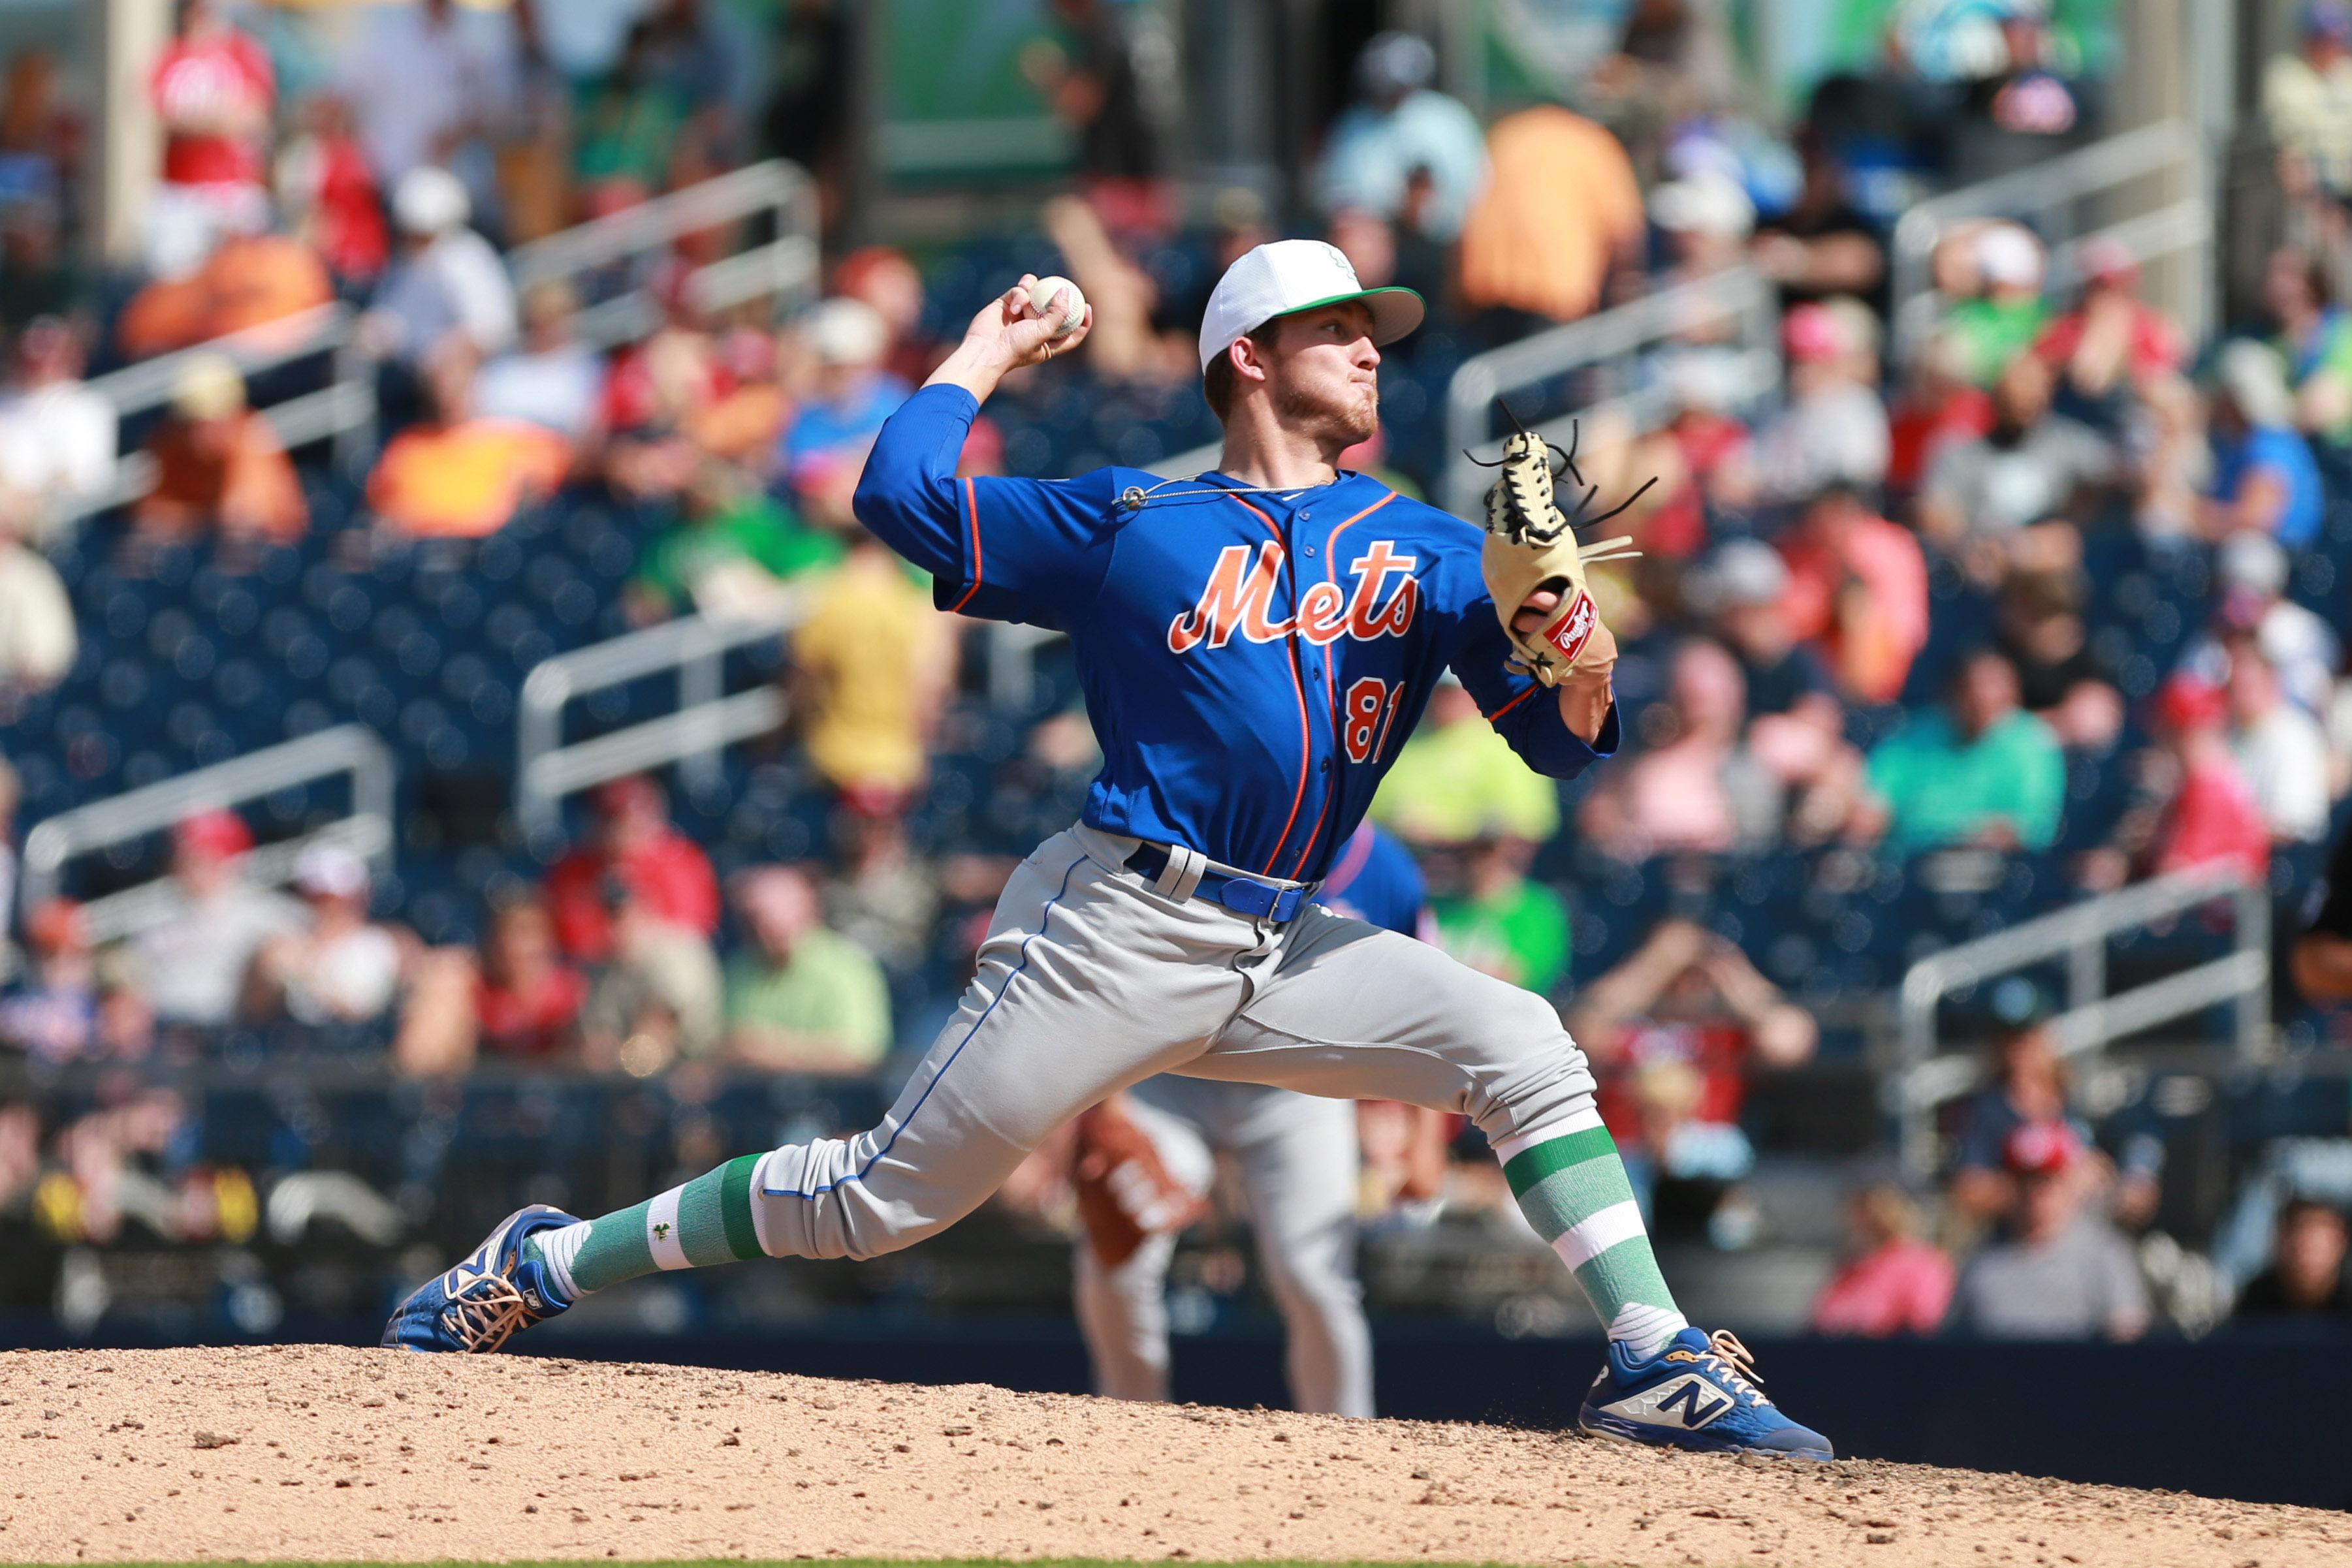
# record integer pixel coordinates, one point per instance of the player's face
(1325, 374)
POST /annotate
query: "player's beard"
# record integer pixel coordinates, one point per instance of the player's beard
(1347, 419)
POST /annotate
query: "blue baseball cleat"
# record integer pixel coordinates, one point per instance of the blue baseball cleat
(486, 1300)
(1700, 1393)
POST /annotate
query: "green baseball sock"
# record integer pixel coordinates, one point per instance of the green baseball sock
(706, 1221)
(1571, 1187)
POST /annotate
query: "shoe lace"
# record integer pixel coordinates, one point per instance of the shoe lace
(485, 1311)
(1736, 1364)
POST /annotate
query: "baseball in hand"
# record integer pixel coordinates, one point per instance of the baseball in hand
(1074, 304)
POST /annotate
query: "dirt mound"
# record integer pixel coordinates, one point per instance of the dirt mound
(321, 1452)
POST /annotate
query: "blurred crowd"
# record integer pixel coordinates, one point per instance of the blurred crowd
(1870, 616)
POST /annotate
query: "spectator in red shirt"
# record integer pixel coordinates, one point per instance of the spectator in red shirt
(669, 873)
(2200, 808)
(1939, 407)
(1674, 1032)
(515, 999)
(213, 90)
(331, 195)
(1858, 588)
(2110, 343)
(1895, 1282)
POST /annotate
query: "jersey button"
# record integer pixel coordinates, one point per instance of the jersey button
(1326, 765)
(1310, 549)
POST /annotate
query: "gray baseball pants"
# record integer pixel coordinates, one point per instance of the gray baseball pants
(1299, 1163)
(1091, 980)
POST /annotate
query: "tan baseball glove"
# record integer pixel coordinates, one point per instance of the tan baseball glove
(1531, 548)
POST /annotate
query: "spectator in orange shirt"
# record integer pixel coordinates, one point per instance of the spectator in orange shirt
(1561, 213)
(219, 466)
(1858, 587)
(249, 280)
(463, 476)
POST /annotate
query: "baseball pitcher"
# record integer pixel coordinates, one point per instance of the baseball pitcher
(1255, 644)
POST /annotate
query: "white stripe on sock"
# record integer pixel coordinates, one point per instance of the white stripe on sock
(1645, 1331)
(661, 1231)
(1583, 1243)
(556, 1250)
(1576, 1121)
(759, 1208)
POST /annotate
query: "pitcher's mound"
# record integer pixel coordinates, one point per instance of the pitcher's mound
(329, 1453)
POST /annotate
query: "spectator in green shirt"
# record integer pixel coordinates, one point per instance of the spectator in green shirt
(1982, 771)
(1501, 922)
(805, 999)
(733, 550)
(1457, 778)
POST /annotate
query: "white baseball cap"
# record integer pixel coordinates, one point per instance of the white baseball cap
(1285, 276)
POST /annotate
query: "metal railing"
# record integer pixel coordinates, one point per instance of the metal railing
(706, 721)
(366, 828)
(2049, 197)
(1741, 294)
(1924, 1078)
(786, 265)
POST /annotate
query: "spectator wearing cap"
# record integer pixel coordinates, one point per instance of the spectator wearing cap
(212, 89)
(1694, 786)
(2252, 572)
(58, 435)
(1400, 123)
(872, 667)
(2265, 479)
(2198, 809)
(849, 394)
(1457, 779)
(1979, 771)
(2280, 748)
(340, 967)
(1833, 430)
(803, 999)
(461, 474)
(446, 281)
(211, 924)
(656, 998)
(219, 466)
(2307, 1278)
(2307, 103)
(2031, 465)
(52, 1017)
(1857, 590)
(2062, 1273)
(1893, 1281)
(1560, 224)
(2314, 341)
(37, 639)
(1707, 217)
(632, 840)
(2002, 315)
(1937, 407)
(2112, 342)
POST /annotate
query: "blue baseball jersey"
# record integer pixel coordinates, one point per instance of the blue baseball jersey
(1252, 662)
(1375, 880)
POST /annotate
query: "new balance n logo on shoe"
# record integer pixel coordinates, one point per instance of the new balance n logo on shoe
(1700, 1405)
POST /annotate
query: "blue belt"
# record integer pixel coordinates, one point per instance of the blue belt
(1238, 894)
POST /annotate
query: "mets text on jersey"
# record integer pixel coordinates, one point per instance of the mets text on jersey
(1239, 599)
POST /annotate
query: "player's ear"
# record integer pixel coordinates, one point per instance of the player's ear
(1249, 358)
